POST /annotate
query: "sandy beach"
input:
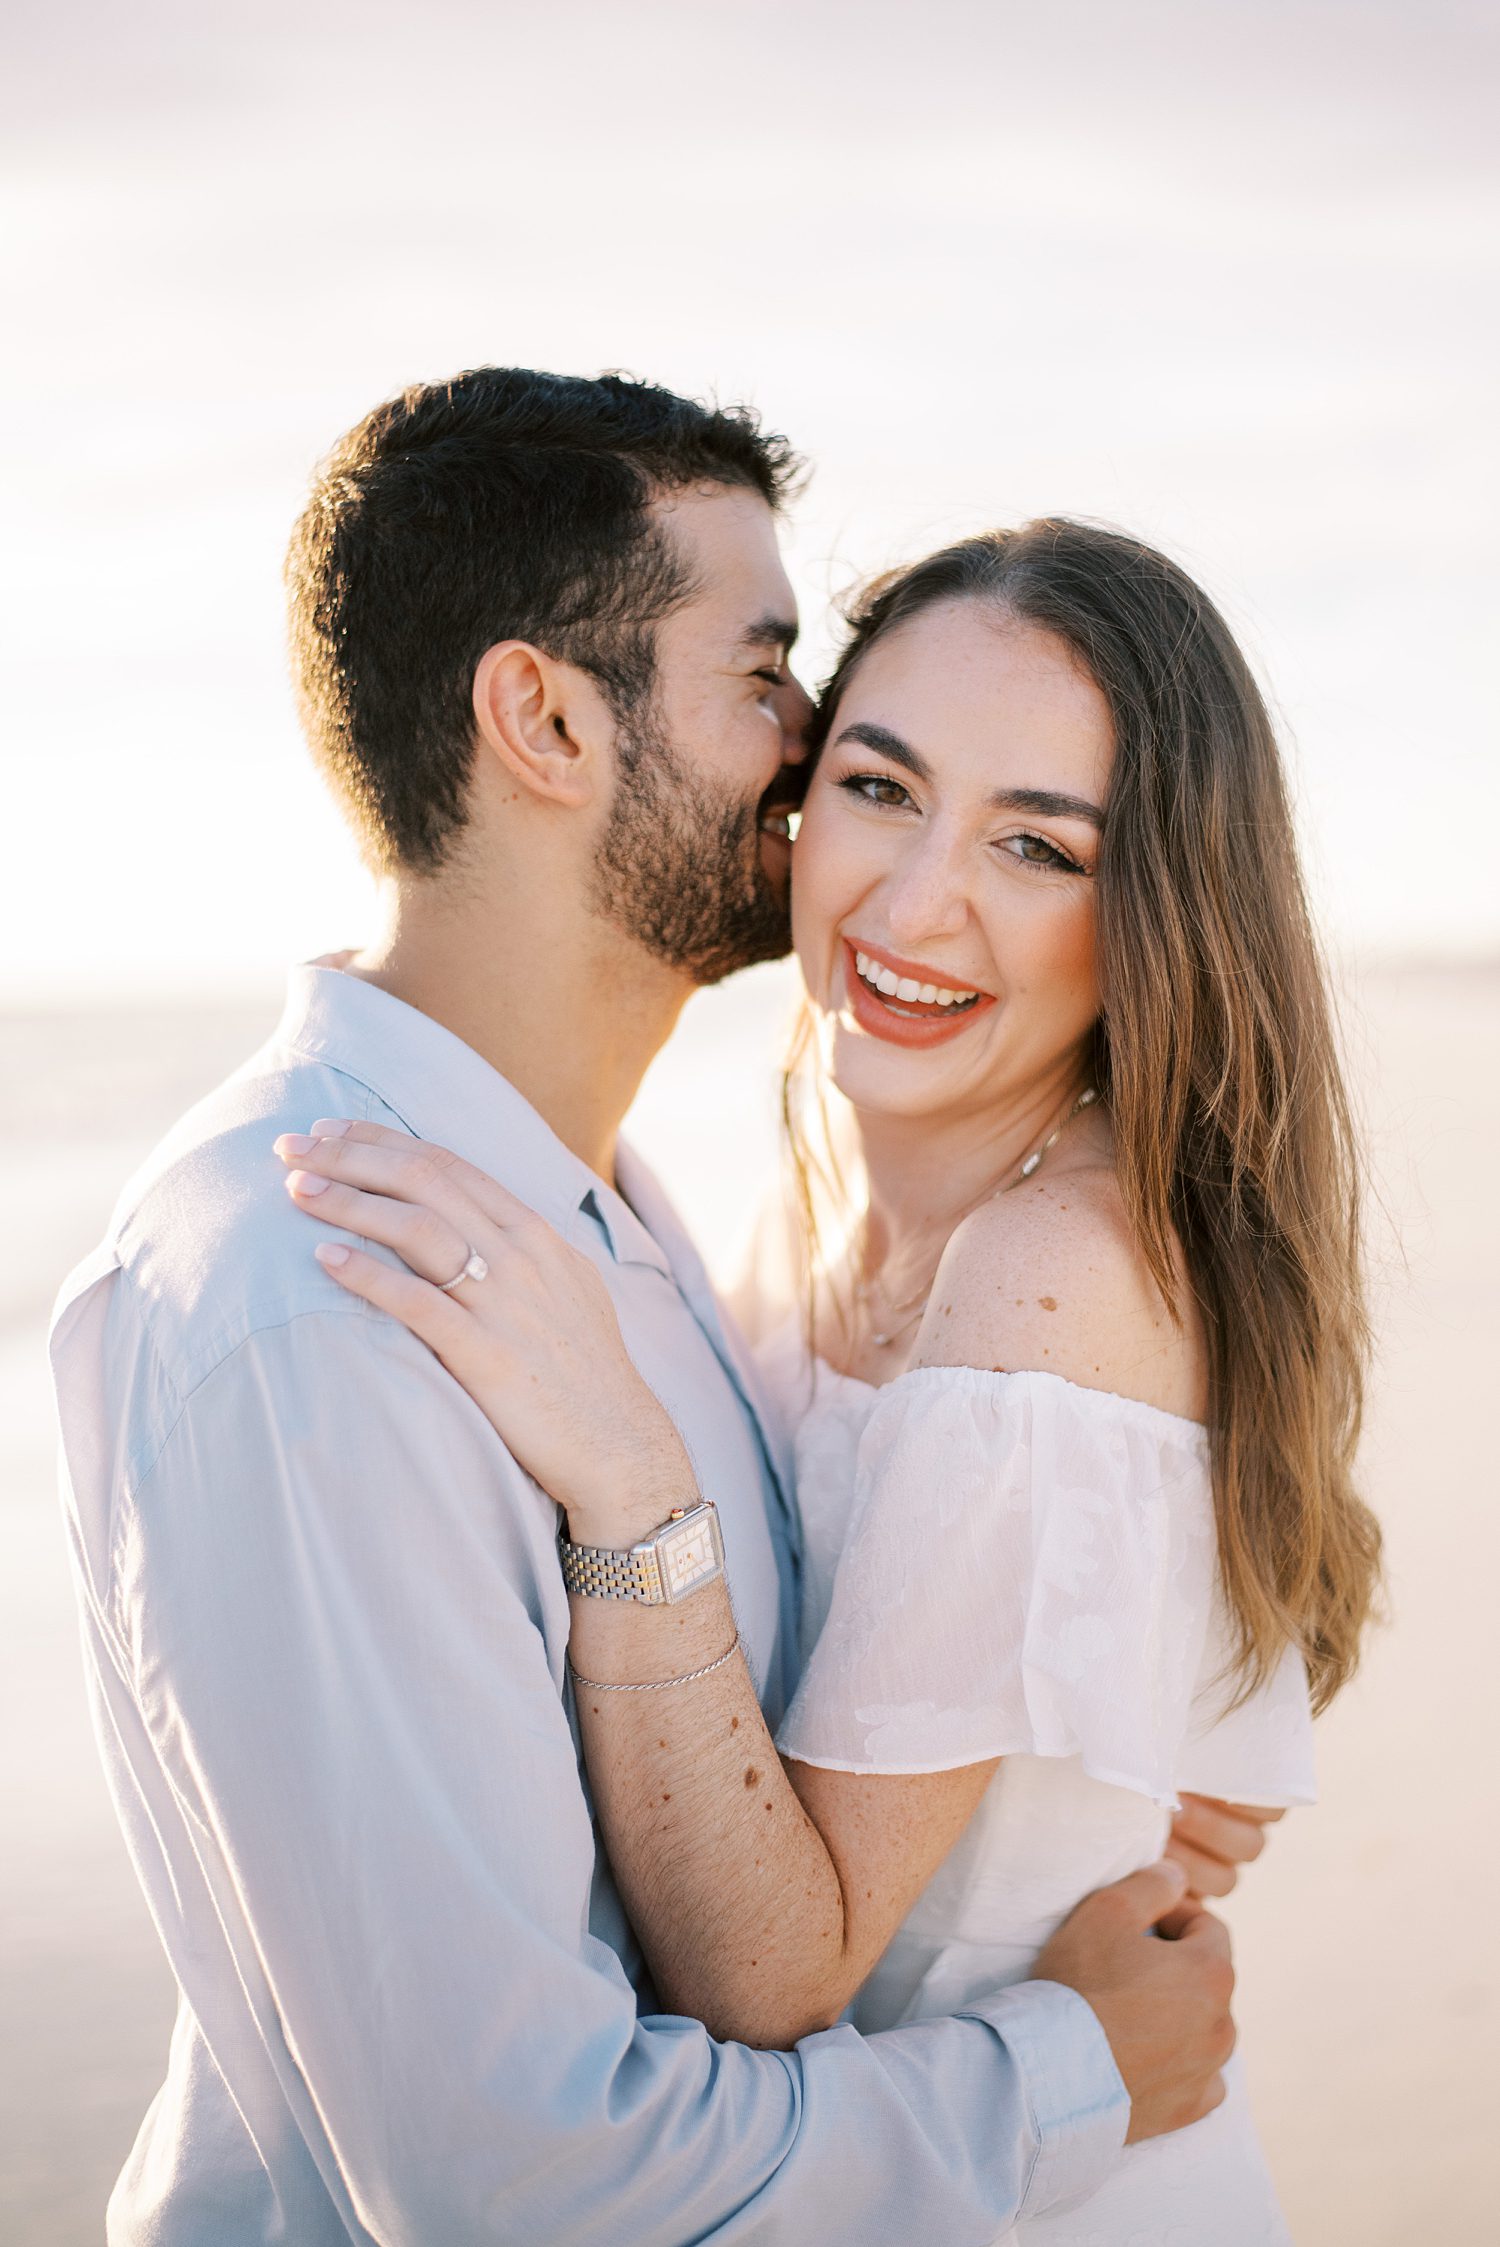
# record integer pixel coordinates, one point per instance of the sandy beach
(1368, 1946)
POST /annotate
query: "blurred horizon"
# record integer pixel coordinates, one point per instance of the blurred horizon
(1213, 273)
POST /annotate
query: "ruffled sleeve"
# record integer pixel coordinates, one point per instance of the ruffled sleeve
(1030, 1568)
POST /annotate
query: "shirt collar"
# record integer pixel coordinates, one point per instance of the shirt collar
(443, 1091)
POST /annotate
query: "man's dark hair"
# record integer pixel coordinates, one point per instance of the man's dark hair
(503, 505)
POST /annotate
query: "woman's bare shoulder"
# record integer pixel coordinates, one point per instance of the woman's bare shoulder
(1048, 1278)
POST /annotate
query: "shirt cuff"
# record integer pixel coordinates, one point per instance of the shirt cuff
(1080, 2108)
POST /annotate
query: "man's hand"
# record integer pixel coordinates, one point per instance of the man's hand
(1162, 2003)
(1211, 1840)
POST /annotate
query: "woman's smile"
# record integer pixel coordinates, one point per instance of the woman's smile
(903, 1001)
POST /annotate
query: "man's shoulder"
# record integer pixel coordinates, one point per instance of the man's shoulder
(206, 1245)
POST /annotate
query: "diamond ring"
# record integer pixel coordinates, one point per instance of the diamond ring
(475, 1268)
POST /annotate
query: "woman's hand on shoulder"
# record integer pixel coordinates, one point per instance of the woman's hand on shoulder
(1047, 1278)
(533, 1337)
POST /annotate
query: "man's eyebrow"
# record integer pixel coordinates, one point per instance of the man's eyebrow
(1047, 803)
(769, 632)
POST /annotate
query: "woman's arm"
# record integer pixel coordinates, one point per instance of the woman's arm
(763, 1893)
(761, 1906)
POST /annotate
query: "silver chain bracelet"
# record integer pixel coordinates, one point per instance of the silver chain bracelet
(656, 1684)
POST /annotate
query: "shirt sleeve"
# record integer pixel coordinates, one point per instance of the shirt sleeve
(331, 1612)
(1028, 1570)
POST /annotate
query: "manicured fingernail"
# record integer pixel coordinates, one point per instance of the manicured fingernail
(306, 1182)
(324, 1129)
(295, 1143)
(329, 1252)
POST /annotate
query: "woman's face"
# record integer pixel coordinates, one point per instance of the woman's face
(949, 841)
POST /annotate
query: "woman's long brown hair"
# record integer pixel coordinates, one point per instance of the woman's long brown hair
(1217, 1056)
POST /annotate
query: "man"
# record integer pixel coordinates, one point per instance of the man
(540, 629)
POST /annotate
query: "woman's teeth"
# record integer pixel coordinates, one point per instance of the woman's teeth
(906, 990)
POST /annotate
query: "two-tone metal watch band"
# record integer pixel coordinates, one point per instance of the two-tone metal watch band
(601, 1573)
(678, 1558)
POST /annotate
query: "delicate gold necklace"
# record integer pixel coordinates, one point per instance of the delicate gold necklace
(899, 1316)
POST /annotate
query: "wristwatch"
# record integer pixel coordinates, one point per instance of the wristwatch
(682, 1556)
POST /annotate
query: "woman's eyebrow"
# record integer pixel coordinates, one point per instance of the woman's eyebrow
(1049, 803)
(888, 744)
(1046, 802)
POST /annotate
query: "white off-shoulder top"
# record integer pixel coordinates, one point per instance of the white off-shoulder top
(1024, 1567)
(1005, 1564)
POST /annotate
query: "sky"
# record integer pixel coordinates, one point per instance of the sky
(1222, 273)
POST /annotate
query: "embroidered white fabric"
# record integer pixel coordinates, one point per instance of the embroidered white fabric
(1009, 1565)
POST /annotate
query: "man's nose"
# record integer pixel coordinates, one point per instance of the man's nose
(794, 709)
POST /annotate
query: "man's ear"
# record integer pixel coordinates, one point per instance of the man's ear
(546, 723)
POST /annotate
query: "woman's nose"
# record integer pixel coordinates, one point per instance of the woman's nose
(925, 894)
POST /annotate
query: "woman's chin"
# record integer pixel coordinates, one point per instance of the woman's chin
(881, 1080)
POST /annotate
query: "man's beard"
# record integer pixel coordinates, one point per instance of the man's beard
(680, 868)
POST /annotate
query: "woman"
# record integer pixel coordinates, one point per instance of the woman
(1078, 1383)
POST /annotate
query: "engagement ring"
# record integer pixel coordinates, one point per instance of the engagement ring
(475, 1268)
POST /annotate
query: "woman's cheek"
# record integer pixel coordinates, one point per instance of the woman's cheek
(1046, 954)
(825, 890)
(1073, 952)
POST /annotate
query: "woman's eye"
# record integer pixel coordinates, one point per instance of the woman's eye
(876, 788)
(1036, 850)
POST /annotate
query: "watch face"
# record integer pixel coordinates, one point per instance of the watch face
(688, 1556)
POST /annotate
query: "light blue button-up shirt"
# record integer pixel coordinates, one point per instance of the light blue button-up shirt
(324, 1628)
